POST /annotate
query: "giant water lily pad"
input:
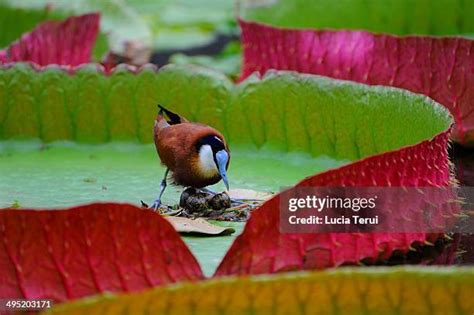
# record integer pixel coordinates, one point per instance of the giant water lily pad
(342, 291)
(62, 255)
(284, 111)
(285, 35)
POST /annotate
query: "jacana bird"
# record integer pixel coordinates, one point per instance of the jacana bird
(196, 155)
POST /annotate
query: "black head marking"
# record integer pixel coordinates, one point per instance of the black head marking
(213, 141)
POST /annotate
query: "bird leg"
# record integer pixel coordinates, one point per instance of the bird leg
(163, 184)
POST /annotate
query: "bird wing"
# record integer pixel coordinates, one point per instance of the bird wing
(177, 143)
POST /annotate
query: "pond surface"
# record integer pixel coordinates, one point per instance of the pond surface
(64, 174)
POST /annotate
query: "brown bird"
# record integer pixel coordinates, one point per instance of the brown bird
(197, 155)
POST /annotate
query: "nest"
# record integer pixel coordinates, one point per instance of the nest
(216, 206)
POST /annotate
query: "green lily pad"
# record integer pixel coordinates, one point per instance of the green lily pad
(285, 111)
(443, 17)
(342, 291)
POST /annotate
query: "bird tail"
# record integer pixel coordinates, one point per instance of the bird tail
(173, 118)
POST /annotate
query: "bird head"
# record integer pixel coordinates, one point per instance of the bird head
(214, 156)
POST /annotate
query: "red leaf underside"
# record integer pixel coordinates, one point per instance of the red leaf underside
(262, 248)
(439, 67)
(68, 254)
(69, 42)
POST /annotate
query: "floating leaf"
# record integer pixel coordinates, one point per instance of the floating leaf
(198, 226)
(67, 254)
(441, 68)
(64, 43)
(342, 291)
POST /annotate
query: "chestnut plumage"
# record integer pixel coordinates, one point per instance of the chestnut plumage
(196, 155)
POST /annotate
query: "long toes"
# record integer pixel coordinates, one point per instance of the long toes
(155, 205)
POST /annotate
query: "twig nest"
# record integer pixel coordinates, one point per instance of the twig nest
(194, 200)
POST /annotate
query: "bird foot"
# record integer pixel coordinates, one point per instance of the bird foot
(154, 206)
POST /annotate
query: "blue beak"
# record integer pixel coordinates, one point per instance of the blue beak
(222, 157)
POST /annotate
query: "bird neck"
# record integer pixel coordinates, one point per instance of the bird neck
(207, 165)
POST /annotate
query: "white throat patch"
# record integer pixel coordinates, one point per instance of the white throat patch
(206, 161)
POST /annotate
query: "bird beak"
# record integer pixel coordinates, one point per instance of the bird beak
(222, 157)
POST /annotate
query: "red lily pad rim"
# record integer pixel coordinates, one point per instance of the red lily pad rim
(370, 158)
